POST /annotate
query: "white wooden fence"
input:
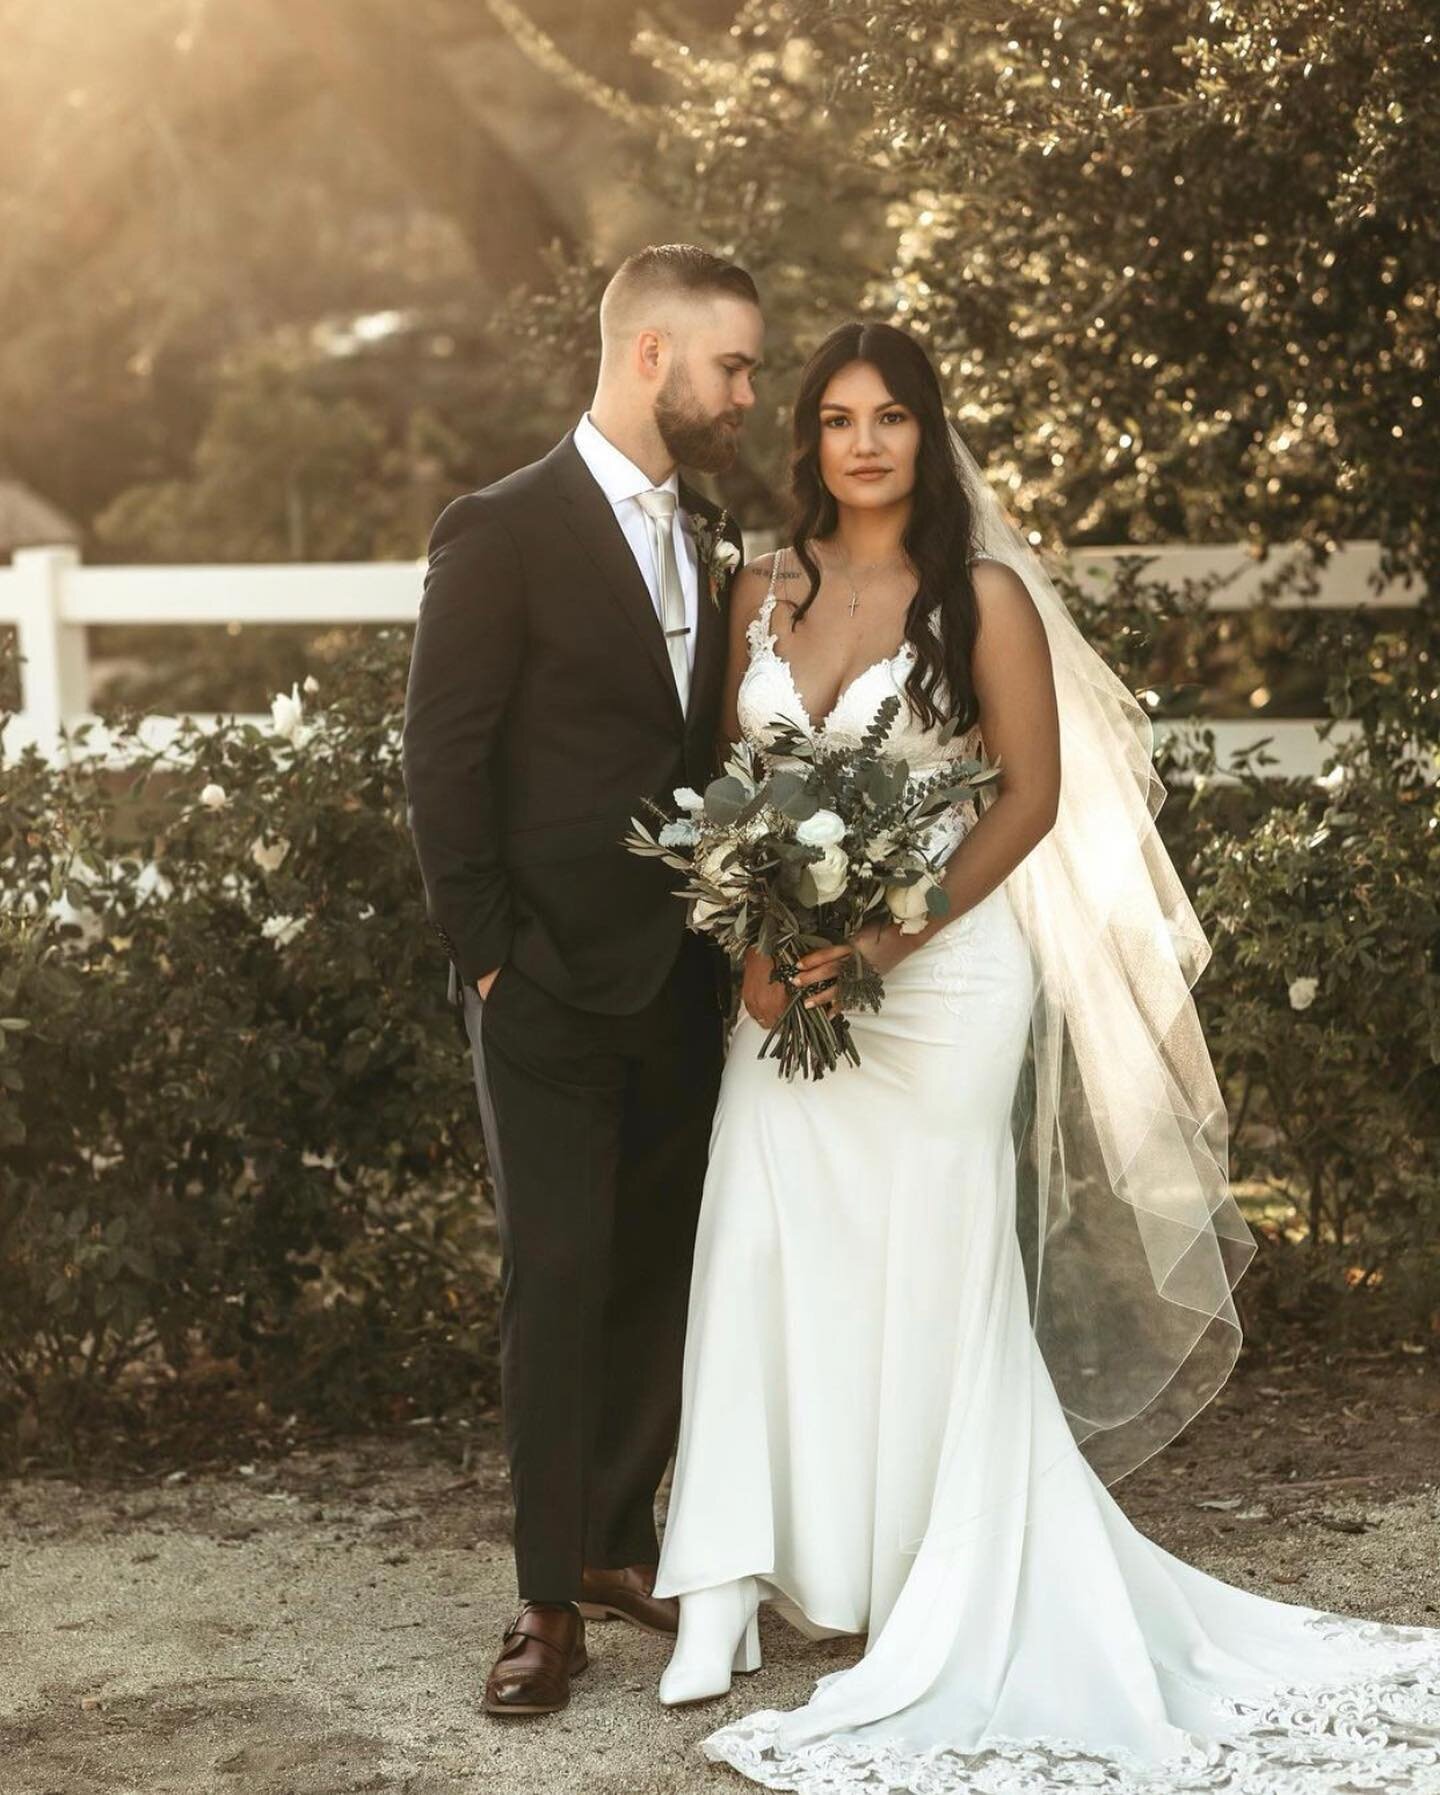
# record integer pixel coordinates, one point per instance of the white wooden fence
(53, 599)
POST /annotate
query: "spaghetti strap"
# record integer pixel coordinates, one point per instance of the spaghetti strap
(767, 604)
(774, 569)
(758, 632)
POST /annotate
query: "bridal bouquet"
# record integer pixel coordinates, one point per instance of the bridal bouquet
(797, 858)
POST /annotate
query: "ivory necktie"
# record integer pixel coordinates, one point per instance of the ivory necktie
(659, 509)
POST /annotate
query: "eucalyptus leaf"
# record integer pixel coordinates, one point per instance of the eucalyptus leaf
(725, 798)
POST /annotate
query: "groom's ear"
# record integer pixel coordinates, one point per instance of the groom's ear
(649, 349)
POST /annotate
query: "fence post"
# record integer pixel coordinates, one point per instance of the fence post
(54, 672)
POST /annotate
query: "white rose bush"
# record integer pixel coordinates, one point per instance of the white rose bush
(801, 849)
(234, 1119)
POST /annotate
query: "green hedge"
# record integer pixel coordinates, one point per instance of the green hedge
(235, 1113)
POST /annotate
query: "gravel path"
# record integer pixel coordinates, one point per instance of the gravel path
(320, 1625)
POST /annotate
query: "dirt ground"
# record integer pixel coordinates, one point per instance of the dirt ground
(319, 1622)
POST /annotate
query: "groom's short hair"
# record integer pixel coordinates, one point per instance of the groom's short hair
(665, 269)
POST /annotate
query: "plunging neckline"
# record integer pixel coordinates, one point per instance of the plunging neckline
(812, 728)
(820, 728)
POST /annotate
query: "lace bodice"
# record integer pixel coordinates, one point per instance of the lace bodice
(769, 695)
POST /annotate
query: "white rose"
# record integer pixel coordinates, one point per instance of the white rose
(269, 856)
(821, 830)
(727, 556)
(282, 930)
(1302, 993)
(311, 685)
(714, 872)
(688, 799)
(908, 906)
(286, 711)
(214, 797)
(702, 912)
(831, 873)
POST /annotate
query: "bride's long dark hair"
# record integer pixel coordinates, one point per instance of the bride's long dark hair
(938, 533)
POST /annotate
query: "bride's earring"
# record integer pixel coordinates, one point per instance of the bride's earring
(719, 1635)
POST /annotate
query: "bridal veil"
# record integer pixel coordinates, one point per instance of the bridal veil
(1132, 1241)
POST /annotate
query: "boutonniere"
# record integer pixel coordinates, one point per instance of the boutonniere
(718, 557)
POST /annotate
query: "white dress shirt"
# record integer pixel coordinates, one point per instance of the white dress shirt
(619, 479)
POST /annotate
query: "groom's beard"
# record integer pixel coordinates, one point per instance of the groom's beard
(707, 444)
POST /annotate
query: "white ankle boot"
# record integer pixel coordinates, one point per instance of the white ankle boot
(719, 1634)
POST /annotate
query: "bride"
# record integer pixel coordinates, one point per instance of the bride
(942, 1299)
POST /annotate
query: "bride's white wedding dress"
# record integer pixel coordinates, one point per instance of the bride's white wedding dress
(870, 1430)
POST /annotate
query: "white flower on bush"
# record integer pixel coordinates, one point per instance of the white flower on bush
(831, 873)
(682, 833)
(282, 930)
(150, 882)
(269, 856)
(688, 798)
(287, 710)
(908, 906)
(311, 685)
(822, 830)
(1302, 993)
(214, 797)
(90, 924)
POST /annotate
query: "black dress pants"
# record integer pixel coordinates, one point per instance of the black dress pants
(597, 1129)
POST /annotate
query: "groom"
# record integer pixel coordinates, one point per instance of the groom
(568, 663)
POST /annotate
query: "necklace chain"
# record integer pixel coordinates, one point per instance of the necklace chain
(849, 577)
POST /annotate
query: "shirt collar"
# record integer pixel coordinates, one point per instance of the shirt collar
(615, 473)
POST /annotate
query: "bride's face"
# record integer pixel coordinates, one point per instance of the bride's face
(868, 440)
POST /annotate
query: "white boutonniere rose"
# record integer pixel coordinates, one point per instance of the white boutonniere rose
(718, 558)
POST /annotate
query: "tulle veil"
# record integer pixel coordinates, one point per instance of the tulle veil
(1131, 1238)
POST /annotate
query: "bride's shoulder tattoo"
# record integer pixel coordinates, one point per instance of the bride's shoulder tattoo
(763, 570)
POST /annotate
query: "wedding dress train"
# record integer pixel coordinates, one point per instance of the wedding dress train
(870, 1430)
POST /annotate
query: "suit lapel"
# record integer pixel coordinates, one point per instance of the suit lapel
(590, 517)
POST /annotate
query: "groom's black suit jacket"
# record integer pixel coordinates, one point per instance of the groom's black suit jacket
(541, 710)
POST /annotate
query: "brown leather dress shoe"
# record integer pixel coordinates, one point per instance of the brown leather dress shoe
(627, 1595)
(544, 1647)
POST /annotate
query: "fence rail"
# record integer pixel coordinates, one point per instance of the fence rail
(52, 600)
